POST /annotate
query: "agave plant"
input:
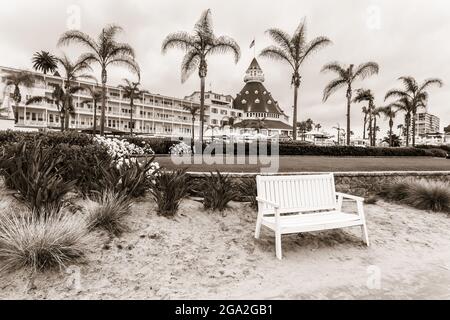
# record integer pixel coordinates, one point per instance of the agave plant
(218, 190)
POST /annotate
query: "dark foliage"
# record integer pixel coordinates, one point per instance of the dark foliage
(218, 190)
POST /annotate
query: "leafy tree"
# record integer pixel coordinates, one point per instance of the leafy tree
(45, 62)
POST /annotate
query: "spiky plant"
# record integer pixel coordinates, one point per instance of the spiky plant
(107, 211)
(41, 243)
(168, 189)
(198, 46)
(248, 191)
(45, 62)
(294, 50)
(414, 95)
(106, 51)
(396, 191)
(131, 91)
(346, 76)
(218, 190)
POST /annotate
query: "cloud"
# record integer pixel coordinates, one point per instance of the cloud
(410, 39)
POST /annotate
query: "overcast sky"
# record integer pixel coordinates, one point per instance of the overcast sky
(405, 37)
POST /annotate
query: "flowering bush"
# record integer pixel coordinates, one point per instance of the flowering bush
(180, 149)
(121, 150)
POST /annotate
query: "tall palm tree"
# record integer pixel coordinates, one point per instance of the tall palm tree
(106, 51)
(193, 110)
(96, 97)
(366, 95)
(400, 127)
(416, 94)
(131, 91)
(376, 112)
(45, 62)
(347, 75)
(14, 81)
(198, 46)
(293, 50)
(389, 112)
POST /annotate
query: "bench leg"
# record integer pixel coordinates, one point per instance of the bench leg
(258, 227)
(278, 245)
(365, 234)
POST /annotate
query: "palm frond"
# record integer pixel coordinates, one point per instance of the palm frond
(121, 49)
(332, 87)
(38, 99)
(224, 44)
(314, 46)
(125, 61)
(190, 63)
(430, 82)
(365, 70)
(282, 39)
(80, 38)
(337, 68)
(180, 40)
(276, 53)
(204, 26)
(395, 93)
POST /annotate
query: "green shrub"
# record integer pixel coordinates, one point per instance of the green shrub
(108, 212)
(168, 189)
(36, 174)
(396, 191)
(158, 145)
(433, 196)
(435, 152)
(40, 243)
(248, 191)
(218, 190)
(446, 148)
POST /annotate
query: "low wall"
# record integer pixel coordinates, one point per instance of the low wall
(358, 183)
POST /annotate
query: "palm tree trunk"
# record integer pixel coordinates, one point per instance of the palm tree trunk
(349, 101)
(95, 117)
(67, 118)
(193, 134)
(202, 107)
(374, 132)
(407, 129)
(103, 114)
(294, 120)
(131, 116)
(62, 121)
(364, 128)
(391, 124)
(414, 129)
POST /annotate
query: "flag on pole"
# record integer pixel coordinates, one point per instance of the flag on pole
(252, 44)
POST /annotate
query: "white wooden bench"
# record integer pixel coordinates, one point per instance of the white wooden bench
(304, 203)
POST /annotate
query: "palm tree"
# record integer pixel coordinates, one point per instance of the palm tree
(389, 112)
(416, 94)
(376, 112)
(293, 50)
(106, 52)
(132, 92)
(346, 76)
(96, 97)
(339, 131)
(366, 95)
(193, 110)
(318, 126)
(45, 62)
(14, 81)
(198, 46)
(72, 72)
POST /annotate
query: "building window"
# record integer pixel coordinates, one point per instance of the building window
(214, 110)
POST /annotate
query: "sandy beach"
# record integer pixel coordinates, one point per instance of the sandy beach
(203, 255)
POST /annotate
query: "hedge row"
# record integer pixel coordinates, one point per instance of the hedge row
(162, 146)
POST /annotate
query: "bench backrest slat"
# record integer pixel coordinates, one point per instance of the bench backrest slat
(300, 192)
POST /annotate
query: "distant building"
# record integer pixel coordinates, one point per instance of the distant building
(260, 110)
(154, 114)
(426, 123)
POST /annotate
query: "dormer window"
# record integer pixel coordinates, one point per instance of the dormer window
(244, 101)
(265, 92)
(269, 102)
(256, 92)
(246, 92)
(257, 101)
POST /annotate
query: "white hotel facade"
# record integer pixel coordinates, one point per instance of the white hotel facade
(154, 114)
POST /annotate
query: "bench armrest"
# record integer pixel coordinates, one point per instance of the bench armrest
(270, 203)
(349, 196)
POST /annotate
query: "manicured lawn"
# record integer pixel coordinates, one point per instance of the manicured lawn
(323, 164)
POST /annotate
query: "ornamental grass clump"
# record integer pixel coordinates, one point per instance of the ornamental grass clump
(107, 212)
(168, 189)
(248, 191)
(218, 190)
(422, 194)
(42, 242)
